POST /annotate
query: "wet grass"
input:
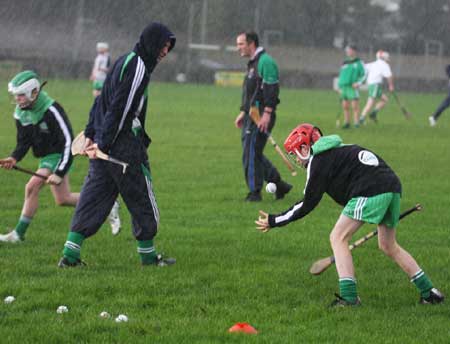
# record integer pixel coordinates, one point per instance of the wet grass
(227, 272)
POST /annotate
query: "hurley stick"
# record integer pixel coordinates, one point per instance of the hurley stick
(79, 144)
(255, 116)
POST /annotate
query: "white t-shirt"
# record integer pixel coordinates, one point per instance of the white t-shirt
(101, 62)
(376, 71)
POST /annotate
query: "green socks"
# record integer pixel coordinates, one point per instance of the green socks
(422, 283)
(72, 247)
(22, 226)
(146, 251)
(347, 289)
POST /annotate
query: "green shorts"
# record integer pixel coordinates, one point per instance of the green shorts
(51, 161)
(375, 91)
(379, 209)
(349, 93)
(97, 85)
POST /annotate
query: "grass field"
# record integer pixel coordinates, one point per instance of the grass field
(227, 272)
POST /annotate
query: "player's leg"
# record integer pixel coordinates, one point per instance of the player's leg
(367, 108)
(62, 194)
(266, 170)
(97, 196)
(346, 111)
(29, 208)
(444, 105)
(253, 169)
(136, 189)
(342, 232)
(388, 244)
(248, 143)
(355, 108)
(381, 102)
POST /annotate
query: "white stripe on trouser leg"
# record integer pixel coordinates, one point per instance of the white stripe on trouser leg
(152, 199)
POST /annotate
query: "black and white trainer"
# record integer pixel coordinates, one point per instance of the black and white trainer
(435, 297)
(162, 261)
(341, 302)
(64, 263)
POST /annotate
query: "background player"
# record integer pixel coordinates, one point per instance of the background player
(376, 71)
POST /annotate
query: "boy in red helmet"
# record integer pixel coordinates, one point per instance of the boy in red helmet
(369, 191)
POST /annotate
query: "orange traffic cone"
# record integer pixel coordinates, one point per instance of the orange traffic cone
(243, 327)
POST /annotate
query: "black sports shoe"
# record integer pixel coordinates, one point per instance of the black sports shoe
(160, 261)
(64, 263)
(340, 302)
(254, 196)
(282, 189)
(373, 117)
(434, 298)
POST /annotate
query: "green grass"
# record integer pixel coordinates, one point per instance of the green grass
(227, 272)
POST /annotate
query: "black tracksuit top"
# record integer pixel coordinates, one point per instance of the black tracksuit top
(343, 173)
(52, 134)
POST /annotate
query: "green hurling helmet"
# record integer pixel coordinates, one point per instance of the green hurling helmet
(24, 83)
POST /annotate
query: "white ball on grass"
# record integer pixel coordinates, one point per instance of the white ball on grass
(9, 299)
(271, 187)
(62, 309)
(105, 315)
(121, 318)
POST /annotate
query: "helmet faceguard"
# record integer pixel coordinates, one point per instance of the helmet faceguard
(25, 83)
(301, 138)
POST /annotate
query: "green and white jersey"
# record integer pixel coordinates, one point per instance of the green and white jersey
(377, 70)
(352, 71)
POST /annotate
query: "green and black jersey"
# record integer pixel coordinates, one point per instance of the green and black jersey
(261, 83)
(45, 129)
(343, 172)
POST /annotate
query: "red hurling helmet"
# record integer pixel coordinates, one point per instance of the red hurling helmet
(303, 135)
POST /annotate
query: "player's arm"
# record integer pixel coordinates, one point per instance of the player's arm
(63, 131)
(387, 73)
(268, 70)
(390, 81)
(362, 73)
(142, 110)
(127, 94)
(23, 139)
(89, 130)
(244, 108)
(314, 190)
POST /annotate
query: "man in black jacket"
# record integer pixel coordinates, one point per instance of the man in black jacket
(260, 91)
(117, 127)
(369, 191)
(43, 126)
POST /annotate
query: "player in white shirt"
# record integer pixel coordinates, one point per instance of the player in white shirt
(376, 71)
(100, 69)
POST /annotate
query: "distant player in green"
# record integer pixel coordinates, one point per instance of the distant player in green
(352, 74)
